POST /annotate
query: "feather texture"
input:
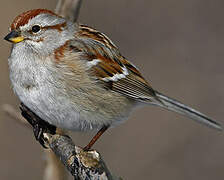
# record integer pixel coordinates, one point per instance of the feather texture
(74, 76)
(123, 77)
(111, 67)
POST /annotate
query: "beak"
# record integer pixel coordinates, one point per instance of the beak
(14, 37)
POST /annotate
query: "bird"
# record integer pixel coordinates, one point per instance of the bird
(74, 77)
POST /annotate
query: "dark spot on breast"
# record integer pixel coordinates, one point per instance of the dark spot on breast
(28, 86)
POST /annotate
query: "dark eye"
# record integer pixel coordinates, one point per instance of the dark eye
(36, 28)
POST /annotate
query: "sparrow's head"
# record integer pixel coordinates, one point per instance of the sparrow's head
(41, 29)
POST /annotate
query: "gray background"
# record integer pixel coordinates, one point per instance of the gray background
(178, 45)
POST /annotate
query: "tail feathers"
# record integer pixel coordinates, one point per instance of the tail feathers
(173, 105)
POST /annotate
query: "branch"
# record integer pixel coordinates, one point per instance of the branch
(15, 115)
(68, 9)
(81, 164)
(54, 169)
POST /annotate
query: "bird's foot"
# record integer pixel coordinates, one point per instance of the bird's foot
(38, 133)
(39, 126)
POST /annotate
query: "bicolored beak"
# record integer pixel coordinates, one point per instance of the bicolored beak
(14, 37)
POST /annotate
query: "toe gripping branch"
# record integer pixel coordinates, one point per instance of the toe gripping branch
(39, 125)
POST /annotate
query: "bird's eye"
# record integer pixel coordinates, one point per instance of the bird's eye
(35, 28)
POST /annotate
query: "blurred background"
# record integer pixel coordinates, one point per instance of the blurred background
(179, 47)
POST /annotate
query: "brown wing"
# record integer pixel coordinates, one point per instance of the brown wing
(111, 68)
(134, 84)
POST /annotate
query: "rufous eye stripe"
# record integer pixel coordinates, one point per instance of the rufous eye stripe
(58, 27)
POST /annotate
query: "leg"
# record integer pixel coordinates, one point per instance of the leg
(95, 138)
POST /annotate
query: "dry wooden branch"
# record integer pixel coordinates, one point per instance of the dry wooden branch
(14, 115)
(54, 169)
(81, 164)
(68, 9)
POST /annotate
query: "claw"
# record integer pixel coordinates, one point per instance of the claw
(38, 133)
(39, 126)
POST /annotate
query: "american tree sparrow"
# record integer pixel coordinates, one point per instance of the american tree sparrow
(74, 77)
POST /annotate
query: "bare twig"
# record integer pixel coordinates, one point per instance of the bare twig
(15, 115)
(69, 9)
(81, 164)
(54, 169)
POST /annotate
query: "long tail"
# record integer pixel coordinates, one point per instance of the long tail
(173, 105)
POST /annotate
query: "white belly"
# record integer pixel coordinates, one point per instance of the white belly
(51, 106)
(40, 86)
(36, 86)
(57, 109)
